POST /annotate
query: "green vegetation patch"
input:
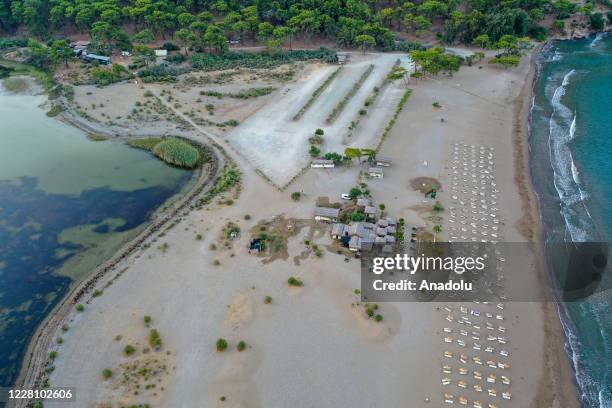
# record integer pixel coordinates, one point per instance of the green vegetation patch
(16, 85)
(147, 143)
(96, 137)
(55, 110)
(172, 150)
(5, 71)
(177, 152)
(244, 94)
(229, 60)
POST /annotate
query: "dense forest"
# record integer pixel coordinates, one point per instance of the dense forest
(209, 24)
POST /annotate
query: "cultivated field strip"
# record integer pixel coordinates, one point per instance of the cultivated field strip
(317, 93)
(369, 103)
(345, 100)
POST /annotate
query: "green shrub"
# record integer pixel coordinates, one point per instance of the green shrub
(107, 373)
(596, 20)
(177, 152)
(241, 345)
(128, 350)
(436, 105)
(52, 355)
(295, 196)
(155, 339)
(55, 110)
(79, 307)
(314, 151)
(294, 282)
(221, 344)
(13, 43)
(358, 216)
(97, 293)
(268, 300)
(378, 318)
(147, 320)
(437, 207)
(161, 73)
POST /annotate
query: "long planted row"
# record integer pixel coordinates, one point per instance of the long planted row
(344, 101)
(391, 123)
(372, 98)
(317, 93)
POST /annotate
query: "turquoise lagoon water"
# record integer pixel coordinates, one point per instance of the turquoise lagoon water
(66, 204)
(571, 162)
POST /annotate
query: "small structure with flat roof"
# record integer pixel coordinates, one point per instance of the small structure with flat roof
(339, 230)
(372, 213)
(82, 44)
(362, 203)
(382, 161)
(322, 164)
(376, 172)
(326, 214)
(101, 59)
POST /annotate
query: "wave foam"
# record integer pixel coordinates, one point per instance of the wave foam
(562, 130)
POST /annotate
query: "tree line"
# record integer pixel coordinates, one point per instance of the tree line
(207, 25)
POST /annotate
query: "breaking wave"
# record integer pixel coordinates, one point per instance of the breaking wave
(562, 130)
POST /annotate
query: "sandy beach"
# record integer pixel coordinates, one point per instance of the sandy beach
(312, 346)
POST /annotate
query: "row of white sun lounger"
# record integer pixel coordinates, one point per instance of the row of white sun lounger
(450, 399)
(491, 379)
(476, 346)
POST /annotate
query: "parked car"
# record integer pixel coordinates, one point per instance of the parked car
(345, 196)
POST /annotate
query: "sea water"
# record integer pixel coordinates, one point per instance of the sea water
(66, 204)
(571, 162)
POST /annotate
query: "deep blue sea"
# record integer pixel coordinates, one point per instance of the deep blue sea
(571, 163)
(66, 204)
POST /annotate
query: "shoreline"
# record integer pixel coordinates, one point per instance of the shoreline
(31, 370)
(558, 383)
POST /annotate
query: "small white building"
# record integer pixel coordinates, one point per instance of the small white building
(161, 53)
(342, 58)
(383, 161)
(322, 164)
(376, 172)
